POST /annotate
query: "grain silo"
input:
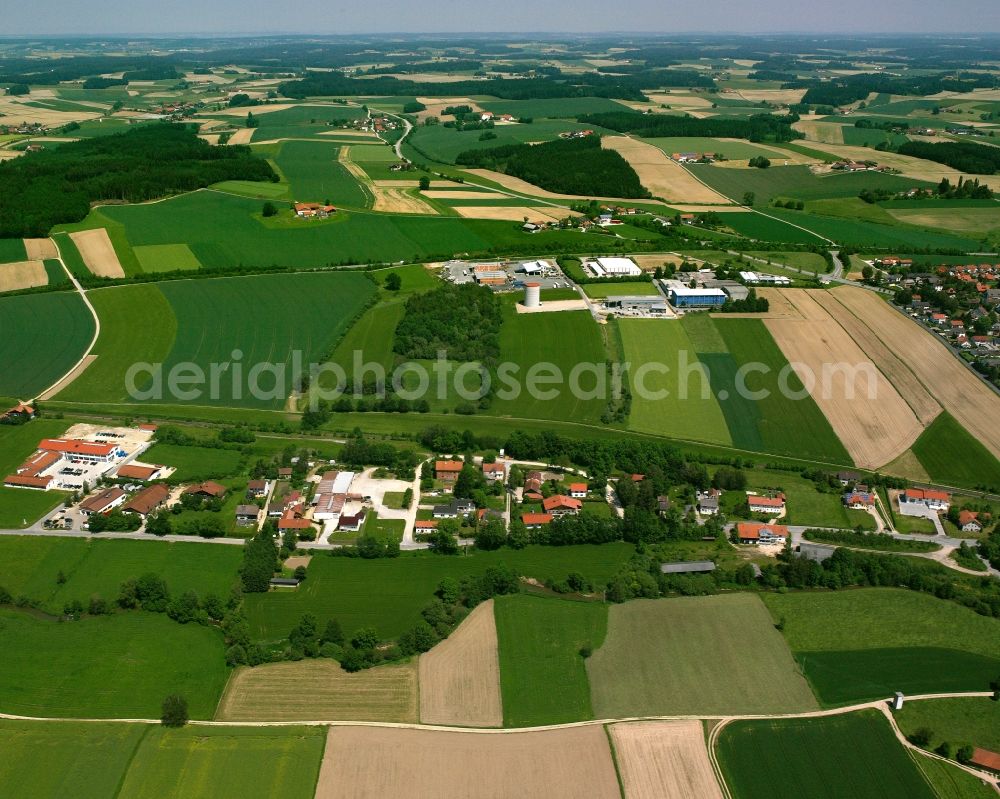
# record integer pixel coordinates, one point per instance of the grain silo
(532, 295)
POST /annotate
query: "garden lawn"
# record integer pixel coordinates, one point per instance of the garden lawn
(227, 763)
(684, 412)
(564, 339)
(689, 656)
(58, 758)
(953, 457)
(30, 566)
(543, 677)
(853, 755)
(123, 311)
(806, 506)
(119, 666)
(44, 336)
(195, 463)
(389, 594)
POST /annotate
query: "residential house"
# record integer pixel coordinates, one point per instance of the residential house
(103, 502)
(533, 483)
(708, 502)
(257, 489)
(847, 478)
(424, 526)
(275, 510)
(494, 471)
(352, 523)
(534, 521)
(859, 500)
(454, 509)
(292, 522)
(985, 759)
(208, 490)
(20, 413)
(560, 505)
(143, 474)
(285, 473)
(147, 500)
(247, 515)
(757, 533)
(578, 490)
(769, 505)
(447, 471)
(968, 521)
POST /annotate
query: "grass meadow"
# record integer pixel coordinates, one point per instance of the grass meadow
(30, 566)
(44, 336)
(972, 720)
(341, 588)
(543, 677)
(196, 463)
(12, 251)
(314, 175)
(689, 656)
(119, 666)
(227, 763)
(852, 755)
(303, 121)
(58, 758)
(952, 456)
(951, 782)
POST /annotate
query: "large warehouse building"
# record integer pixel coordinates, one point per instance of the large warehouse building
(682, 296)
(612, 267)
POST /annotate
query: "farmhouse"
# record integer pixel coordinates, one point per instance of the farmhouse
(687, 567)
(292, 522)
(969, 522)
(578, 490)
(147, 500)
(132, 471)
(560, 505)
(859, 500)
(103, 502)
(985, 759)
(257, 489)
(612, 267)
(352, 524)
(846, 478)
(757, 533)
(533, 483)
(447, 471)
(313, 210)
(534, 521)
(19, 413)
(494, 471)
(682, 296)
(247, 515)
(208, 489)
(708, 502)
(920, 498)
(768, 505)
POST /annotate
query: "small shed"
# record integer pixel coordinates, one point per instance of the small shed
(687, 567)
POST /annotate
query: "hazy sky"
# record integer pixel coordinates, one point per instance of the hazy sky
(446, 16)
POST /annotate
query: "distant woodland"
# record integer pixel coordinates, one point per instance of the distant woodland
(58, 185)
(759, 127)
(965, 156)
(567, 166)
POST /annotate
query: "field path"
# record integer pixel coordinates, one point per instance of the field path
(86, 358)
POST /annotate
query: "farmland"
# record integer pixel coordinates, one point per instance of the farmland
(196, 463)
(341, 587)
(685, 656)
(315, 175)
(664, 760)
(256, 762)
(74, 669)
(974, 721)
(852, 755)
(45, 335)
(951, 455)
(31, 567)
(543, 677)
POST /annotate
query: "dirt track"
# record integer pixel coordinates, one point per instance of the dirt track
(864, 408)
(460, 677)
(663, 177)
(373, 763)
(387, 200)
(98, 253)
(664, 760)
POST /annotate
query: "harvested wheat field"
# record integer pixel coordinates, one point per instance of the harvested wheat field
(924, 406)
(370, 762)
(523, 187)
(865, 410)
(459, 194)
(664, 760)
(22, 275)
(435, 105)
(511, 213)
(387, 200)
(400, 183)
(664, 178)
(816, 130)
(40, 249)
(241, 111)
(98, 253)
(778, 96)
(460, 677)
(320, 690)
(958, 391)
(211, 138)
(18, 110)
(907, 465)
(242, 136)
(705, 209)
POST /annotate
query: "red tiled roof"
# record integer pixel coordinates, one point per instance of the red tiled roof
(751, 530)
(26, 481)
(425, 524)
(578, 487)
(489, 468)
(559, 502)
(138, 472)
(290, 522)
(986, 759)
(147, 499)
(98, 502)
(209, 487)
(448, 466)
(38, 463)
(74, 447)
(536, 518)
(917, 494)
(766, 502)
(966, 516)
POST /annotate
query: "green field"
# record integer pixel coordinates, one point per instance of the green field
(732, 150)
(806, 505)
(853, 755)
(122, 311)
(685, 412)
(351, 237)
(302, 121)
(19, 507)
(543, 678)
(118, 666)
(600, 290)
(341, 588)
(565, 340)
(765, 228)
(196, 463)
(45, 335)
(953, 457)
(864, 644)
(12, 251)
(694, 656)
(226, 763)
(30, 567)
(166, 257)
(314, 175)
(951, 782)
(57, 758)
(974, 721)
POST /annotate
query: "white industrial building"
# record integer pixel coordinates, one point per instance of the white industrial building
(612, 267)
(764, 279)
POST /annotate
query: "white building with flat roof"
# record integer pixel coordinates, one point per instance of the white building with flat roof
(612, 267)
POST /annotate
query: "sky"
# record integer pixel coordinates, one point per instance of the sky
(96, 17)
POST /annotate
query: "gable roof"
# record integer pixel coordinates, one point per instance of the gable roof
(74, 447)
(560, 502)
(752, 530)
(536, 518)
(147, 499)
(448, 466)
(134, 472)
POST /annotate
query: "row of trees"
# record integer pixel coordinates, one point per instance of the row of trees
(965, 156)
(758, 127)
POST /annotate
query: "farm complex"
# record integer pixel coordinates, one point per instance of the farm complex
(490, 416)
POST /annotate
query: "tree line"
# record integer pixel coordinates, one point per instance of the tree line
(58, 185)
(965, 156)
(759, 127)
(567, 166)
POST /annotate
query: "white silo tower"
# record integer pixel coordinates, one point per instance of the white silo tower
(532, 295)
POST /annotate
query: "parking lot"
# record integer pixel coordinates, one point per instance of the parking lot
(515, 274)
